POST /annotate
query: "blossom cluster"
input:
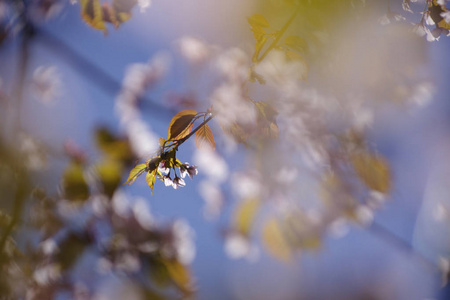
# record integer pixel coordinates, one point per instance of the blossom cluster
(176, 182)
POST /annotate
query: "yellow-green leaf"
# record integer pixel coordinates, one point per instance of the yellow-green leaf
(258, 20)
(74, 184)
(181, 125)
(203, 137)
(258, 32)
(135, 173)
(109, 172)
(373, 171)
(113, 146)
(296, 43)
(245, 214)
(92, 13)
(150, 178)
(180, 275)
(275, 240)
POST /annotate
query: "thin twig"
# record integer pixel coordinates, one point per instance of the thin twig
(280, 34)
(23, 58)
(392, 239)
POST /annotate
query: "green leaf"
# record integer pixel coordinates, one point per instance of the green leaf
(113, 146)
(92, 13)
(245, 214)
(203, 137)
(181, 126)
(109, 173)
(180, 275)
(296, 43)
(373, 171)
(150, 178)
(135, 173)
(74, 184)
(258, 32)
(275, 240)
(258, 20)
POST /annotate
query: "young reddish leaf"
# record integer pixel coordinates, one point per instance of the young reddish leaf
(276, 241)
(92, 13)
(204, 136)
(258, 20)
(181, 125)
(135, 173)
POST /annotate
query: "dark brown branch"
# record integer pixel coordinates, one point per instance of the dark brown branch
(89, 70)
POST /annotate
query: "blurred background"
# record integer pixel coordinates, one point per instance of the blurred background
(80, 106)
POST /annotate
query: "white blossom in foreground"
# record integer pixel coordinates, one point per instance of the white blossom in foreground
(144, 5)
(211, 164)
(143, 214)
(47, 274)
(183, 241)
(46, 83)
(233, 65)
(237, 246)
(213, 197)
(194, 50)
(138, 78)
